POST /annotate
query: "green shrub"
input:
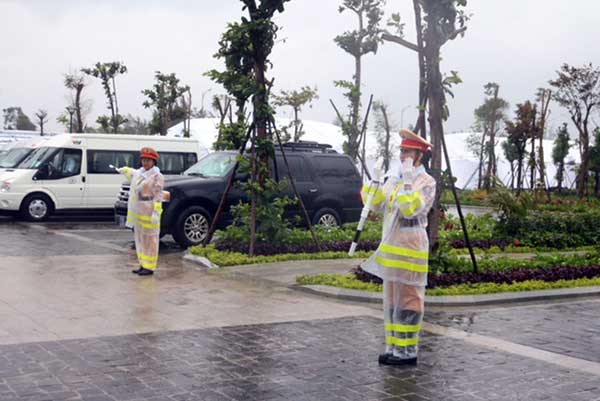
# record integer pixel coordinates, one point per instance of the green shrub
(348, 281)
(235, 258)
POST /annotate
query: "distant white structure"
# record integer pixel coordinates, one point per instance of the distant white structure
(9, 136)
(464, 163)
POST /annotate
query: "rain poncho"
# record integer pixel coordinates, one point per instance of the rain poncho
(401, 259)
(144, 210)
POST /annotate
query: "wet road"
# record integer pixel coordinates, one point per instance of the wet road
(77, 325)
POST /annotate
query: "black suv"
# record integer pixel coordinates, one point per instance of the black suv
(328, 183)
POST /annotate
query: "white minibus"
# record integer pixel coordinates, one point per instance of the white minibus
(72, 171)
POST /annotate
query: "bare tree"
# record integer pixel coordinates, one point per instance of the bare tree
(42, 115)
(383, 132)
(76, 83)
(296, 99)
(364, 40)
(578, 91)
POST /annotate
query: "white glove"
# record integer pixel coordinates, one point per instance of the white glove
(408, 170)
(119, 169)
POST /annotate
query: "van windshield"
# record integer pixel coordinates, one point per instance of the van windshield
(35, 159)
(14, 156)
(217, 164)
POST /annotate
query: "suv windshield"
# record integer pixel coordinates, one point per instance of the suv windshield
(35, 159)
(216, 164)
(14, 156)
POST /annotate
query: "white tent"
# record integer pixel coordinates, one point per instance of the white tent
(464, 164)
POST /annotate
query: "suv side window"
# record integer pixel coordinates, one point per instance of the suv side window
(333, 169)
(65, 163)
(176, 162)
(298, 168)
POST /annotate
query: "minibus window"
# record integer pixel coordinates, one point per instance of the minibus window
(36, 158)
(14, 156)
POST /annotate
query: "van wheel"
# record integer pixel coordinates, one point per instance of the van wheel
(37, 207)
(327, 217)
(192, 226)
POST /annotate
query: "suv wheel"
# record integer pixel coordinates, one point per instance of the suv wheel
(192, 226)
(37, 207)
(327, 217)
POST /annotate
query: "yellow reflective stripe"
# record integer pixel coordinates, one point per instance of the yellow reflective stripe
(140, 217)
(158, 207)
(148, 265)
(403, 328)
(401, 264)
(402, 342)
(409, 203)
(393, 197)
(399, 251)
(147, 257)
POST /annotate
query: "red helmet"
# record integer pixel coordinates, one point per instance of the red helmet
(149, 153)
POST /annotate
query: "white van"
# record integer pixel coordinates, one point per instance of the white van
(71, 171)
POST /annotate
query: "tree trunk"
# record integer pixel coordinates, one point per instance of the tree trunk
(559, 176)
(436, 103)
(421, 126)
(491, 150)
(115, 110)
(519, 174)
(387, 152)
(481, 153)
(78, 113)
(296, 138)
(532, 162)
(583, 178)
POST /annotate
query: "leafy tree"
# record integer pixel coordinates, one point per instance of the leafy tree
(136, 126)
(595, 161)
(560, 151)
(107, 73)
(296, 100)
(383, 132)
(519, 133)
(488, 119)
(42, 115)
(578, 91)
(15, 119)
(163, 98)
(245, 47)
(76, 83)
(544, 97)
(437, 22)
(359, 42)
(512, 155)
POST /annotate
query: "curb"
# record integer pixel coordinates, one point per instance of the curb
(454, 300)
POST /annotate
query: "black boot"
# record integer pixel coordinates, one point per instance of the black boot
(396, 361)
(145, 272)
(138, 270)
(383, 358)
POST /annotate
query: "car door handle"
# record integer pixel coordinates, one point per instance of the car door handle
(313, 190)
(83, 178)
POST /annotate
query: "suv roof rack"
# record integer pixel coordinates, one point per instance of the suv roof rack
(309, 146)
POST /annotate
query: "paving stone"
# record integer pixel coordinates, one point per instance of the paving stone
(570, 328)
(333, 359)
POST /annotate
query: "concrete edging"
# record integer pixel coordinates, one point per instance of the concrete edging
(454, 300)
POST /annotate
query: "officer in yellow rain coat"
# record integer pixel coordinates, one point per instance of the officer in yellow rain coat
(144, 209)
(401, 259)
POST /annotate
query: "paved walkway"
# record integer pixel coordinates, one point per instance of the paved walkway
(77, 325)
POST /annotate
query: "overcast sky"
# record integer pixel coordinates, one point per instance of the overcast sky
(518, 44)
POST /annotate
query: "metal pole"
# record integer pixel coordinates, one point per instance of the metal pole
(458, 208)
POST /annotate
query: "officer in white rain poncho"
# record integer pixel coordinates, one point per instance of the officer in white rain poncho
(144, 209)
(401, 260)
